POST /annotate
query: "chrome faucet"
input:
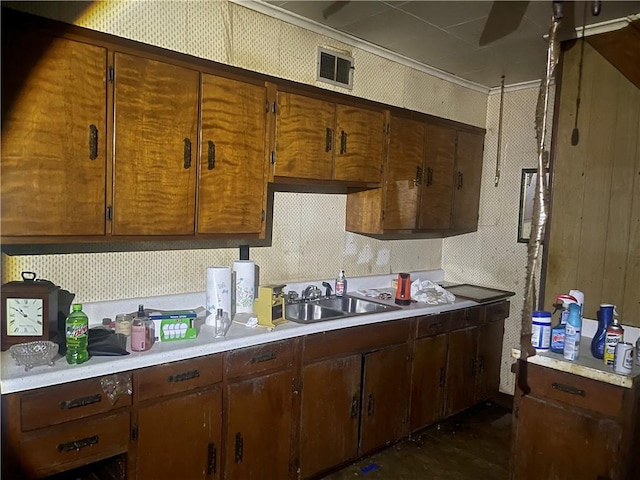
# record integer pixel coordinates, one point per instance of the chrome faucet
(311, 292)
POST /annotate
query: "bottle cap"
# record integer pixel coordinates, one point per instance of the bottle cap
(542, 313)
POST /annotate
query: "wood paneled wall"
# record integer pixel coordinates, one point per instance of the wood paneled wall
(594, 236)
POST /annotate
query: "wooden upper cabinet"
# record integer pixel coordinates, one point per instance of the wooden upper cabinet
(155, 155)
(54, 137)
(404, 166)
(359, 144)
(304, 137)
(467, 178)
(437, 178)
(232, 184)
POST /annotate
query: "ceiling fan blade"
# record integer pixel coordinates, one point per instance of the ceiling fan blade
(504, 18)
(333, 8)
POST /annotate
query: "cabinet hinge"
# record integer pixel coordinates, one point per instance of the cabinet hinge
(273, 157)
(134, 432)
(275, 107)
(109, 213)
(111, 74)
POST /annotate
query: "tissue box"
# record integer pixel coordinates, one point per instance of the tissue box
(173, 325)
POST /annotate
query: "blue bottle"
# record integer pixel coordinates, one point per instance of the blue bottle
(605, 317)
(573, 331)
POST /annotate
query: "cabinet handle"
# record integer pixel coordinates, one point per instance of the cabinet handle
(76, 445)
(264, 358)
(239, 447)
(181, 377)
(435, 325)
(211, 156)
(328, 145)
(187, 153)
(354, 407)
(371, 405)
(429, 176)
(343, 142)
(80, 402)
(211, 460)
(417, 180)
(442, 376)
(460, 178)
(569, 389)
(93, 142)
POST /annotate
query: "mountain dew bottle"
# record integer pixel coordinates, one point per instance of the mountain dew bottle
(77, 329)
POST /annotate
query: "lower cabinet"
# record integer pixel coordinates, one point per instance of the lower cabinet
(456, 361)
(177, 420)
(258, 412)
(355, 393)
(569, 427)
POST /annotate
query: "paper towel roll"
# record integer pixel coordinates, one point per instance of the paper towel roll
(245, 271)
(218, 291)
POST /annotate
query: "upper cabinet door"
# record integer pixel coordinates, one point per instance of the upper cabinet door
(437, 183)
(467, 179)
(359, 144)
(232, 160)
(53, 136)
(156, 120)
(403, 173)
(305, 137)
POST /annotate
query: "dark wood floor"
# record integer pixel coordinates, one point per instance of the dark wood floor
(472, 445)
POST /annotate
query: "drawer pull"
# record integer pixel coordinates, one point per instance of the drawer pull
(328, 143)
(343, 142)
(187, 153)
(93, 142)
(264, 358)
(80, 402)
(239, 447)
(569, 389)
(181, 377)
(211, 461)
(78, 444)
(211, 155)
(435, 325)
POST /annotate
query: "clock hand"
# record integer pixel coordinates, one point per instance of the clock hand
(20, 311)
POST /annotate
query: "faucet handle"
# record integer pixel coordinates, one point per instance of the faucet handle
(311, 292)
(292, 296)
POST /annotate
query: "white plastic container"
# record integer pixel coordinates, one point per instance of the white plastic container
(541, 331)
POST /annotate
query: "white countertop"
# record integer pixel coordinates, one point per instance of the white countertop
(586, 366)
(15, 379)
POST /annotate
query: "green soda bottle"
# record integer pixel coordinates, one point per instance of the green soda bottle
(77, 335)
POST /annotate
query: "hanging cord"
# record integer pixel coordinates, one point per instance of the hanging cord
(498, 159)
(575, 134)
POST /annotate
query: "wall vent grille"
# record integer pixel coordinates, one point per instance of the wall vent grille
(335, 68)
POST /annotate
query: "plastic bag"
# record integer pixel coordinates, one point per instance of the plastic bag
(426, 291)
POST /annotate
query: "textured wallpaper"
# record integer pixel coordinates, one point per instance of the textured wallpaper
(309, 241)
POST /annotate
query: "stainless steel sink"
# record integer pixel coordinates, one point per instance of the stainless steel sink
(333, 308)
(310, 312)
(350, 305)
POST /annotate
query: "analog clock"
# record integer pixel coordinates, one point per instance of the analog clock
(24, 316)
(29, 310)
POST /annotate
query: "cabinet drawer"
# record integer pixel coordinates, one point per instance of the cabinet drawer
(356, 339)
(575, 390)
(433, 325)
(252, 360)
(496, 311)
(468, 317)
(177, 377)
(77, 443)
(62, 403)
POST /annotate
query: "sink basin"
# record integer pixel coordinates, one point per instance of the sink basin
(332, 308)
(351, 305)
(310, 312)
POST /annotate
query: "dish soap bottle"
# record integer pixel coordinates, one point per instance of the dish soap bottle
(341, 284)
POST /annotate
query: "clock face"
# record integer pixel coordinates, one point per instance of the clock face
(24, 316)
